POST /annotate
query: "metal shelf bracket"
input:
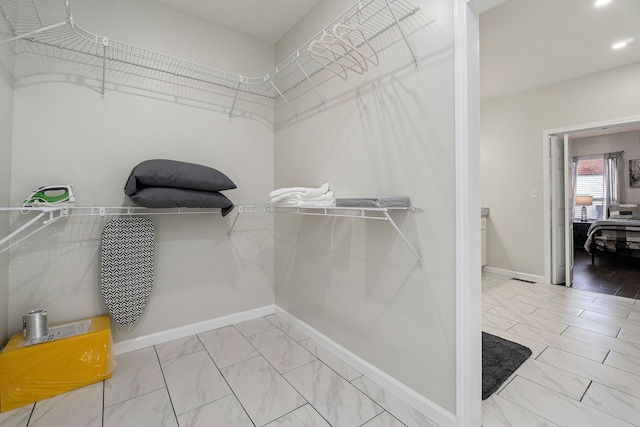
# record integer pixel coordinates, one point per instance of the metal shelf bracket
(54, 215)
(360, 213)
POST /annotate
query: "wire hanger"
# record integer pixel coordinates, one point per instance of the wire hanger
(325, 57)
(336, 56)
(337, 52)
(344, 53)
(353, 35)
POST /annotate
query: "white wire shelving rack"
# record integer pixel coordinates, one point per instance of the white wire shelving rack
(51, 22)
(49, 215)
(379, 214)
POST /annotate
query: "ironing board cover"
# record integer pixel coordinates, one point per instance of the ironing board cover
(128, 253)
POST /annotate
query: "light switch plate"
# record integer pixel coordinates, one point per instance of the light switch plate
(533, 193)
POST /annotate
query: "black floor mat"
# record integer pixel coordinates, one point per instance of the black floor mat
(500, 358)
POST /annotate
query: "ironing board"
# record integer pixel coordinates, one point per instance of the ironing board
(128, 253)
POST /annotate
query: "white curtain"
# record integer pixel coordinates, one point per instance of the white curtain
(612, 180)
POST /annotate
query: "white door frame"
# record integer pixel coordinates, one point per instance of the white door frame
(467, 161)
(548, 171)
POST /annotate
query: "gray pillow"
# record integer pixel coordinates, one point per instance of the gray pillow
(162, 197)
(176, 174)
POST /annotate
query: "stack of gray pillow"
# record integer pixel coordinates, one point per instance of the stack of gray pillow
(161, 183)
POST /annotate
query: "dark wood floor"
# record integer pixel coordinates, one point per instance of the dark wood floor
(608, 276)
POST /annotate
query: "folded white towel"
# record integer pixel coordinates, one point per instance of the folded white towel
(322, 203)
(294, 197)
(307, 203)
(305, 191)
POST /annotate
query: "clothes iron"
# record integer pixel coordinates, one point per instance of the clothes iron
(51, 195)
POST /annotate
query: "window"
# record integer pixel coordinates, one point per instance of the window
(590, 182)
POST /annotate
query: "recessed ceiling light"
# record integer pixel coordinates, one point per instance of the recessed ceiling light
(599, 3)
(621, 43)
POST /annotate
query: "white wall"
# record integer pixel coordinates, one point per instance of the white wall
(388, 132)
(629, 142)
(512, 156)
(64, 133)
(6, 131)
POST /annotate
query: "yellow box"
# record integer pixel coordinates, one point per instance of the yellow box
(29, 373)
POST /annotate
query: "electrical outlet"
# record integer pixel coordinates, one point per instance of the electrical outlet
(533, 193)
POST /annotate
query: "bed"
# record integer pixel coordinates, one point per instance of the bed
(617, 236)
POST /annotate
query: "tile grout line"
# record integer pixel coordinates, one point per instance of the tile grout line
(166, 386)
(586, 390)
(281, 375)
(326, 365)
(525, 324)
(103, 387)
(33, 408)
(384, 409)
(290, 370)
(377, 415)
(233, 393)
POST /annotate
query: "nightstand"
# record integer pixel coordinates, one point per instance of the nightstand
(580, 229)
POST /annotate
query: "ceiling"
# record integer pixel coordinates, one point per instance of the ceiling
(531, 43)
(266, 20)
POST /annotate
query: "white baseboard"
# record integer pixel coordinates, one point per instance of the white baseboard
(515, 274)
(400, 390)
(188, 330)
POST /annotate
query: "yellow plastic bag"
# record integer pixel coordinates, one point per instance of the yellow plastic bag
(29, 373)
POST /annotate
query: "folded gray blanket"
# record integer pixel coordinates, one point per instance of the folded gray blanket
(375, 202)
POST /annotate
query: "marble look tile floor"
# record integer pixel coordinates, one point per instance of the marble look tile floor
(585, 366)
(263, 372)
(584, 371)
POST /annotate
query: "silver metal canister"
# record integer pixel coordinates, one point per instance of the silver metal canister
(34, 324)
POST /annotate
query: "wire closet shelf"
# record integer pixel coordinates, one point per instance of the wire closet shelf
(44, 216)
(51, 22)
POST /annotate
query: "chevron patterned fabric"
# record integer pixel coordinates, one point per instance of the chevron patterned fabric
(127, 267)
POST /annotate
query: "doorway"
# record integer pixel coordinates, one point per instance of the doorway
(558, 221)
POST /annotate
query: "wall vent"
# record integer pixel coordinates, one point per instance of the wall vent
(522, 280)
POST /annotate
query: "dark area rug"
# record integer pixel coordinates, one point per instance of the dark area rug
(500, 358)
